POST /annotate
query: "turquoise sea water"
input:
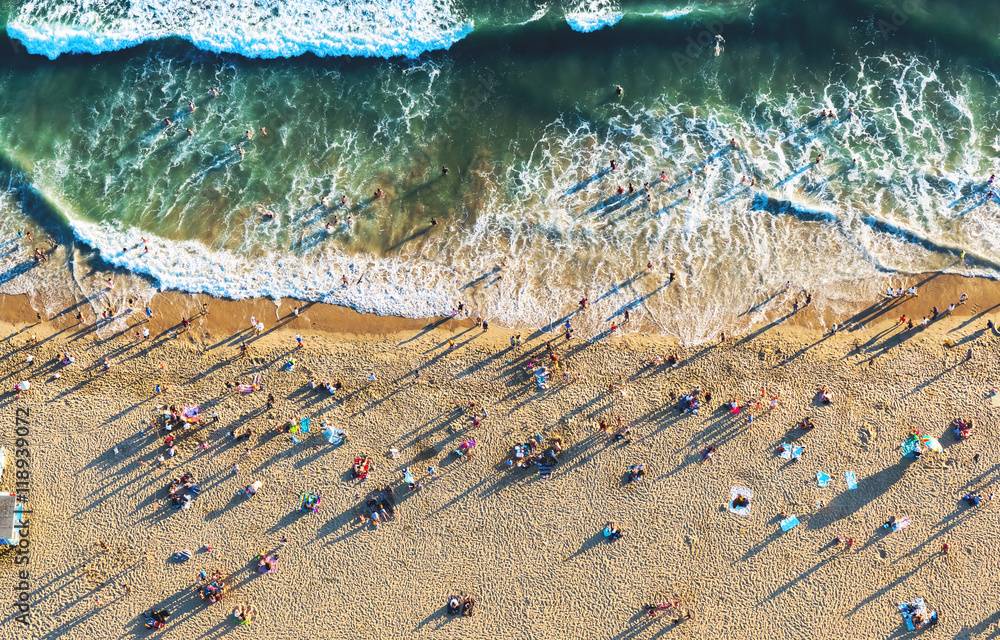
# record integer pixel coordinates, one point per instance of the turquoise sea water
(518, 100)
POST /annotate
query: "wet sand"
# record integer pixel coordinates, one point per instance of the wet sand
(530, 550)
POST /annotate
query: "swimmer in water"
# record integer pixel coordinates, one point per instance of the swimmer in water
(190, 133)
(444, 170)
(350, 220)
(992, 177)
(241, 151)
(327, 227)
(614, 165)
(191, 106)
(689, 193)
(434, 222)
(322, 201)
(732, 143)
(343, 201)
(619, 91)
(167, 122)
(663, 176)
(719, 42)
(262, 131)
(213, 92)
(249, 134)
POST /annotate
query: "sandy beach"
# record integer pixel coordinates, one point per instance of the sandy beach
(530, 550)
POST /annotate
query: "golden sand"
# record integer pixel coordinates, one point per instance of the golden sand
(530, 550)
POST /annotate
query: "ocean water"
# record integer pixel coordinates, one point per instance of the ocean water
(518, 100)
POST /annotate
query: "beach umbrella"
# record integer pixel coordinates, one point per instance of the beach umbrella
(932, 444)
(25, 385)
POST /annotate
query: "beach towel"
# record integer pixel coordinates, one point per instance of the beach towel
(309, 502)
(822, 479)
(910, 609)
(852, 482)
(740, 491)
(408, 477)
(305, 425)
(786, 451)
(246, 388)
(797, 453)
(909, 447)
(901, 523)
(544, 470)
(334, 436)
(789, 522)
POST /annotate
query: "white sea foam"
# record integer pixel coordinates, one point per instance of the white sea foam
(275, 29)
(833, 230)
(590, 15)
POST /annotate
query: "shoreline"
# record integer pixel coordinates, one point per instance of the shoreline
(230, 316)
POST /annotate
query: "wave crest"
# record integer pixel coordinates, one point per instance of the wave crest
(277, 29)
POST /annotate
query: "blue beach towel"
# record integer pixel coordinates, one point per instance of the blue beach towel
(789, 522)
(822, 479)
(852, 482)
(305, 425)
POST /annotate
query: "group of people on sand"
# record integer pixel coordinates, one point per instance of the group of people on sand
(380, 507)
(527, 454)
(182, 491)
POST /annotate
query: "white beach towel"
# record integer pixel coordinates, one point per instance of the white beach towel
(740, 491)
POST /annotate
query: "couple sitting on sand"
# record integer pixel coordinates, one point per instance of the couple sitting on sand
(612, 531)
(464, 604)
